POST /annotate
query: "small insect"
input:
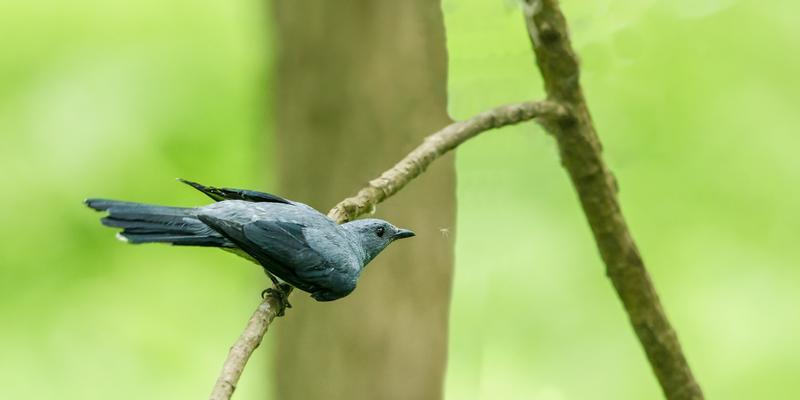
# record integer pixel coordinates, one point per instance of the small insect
(445, 232)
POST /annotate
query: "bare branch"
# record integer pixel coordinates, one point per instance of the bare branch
(434, 146)
(245, 345)
(389, 183)
(581, 155)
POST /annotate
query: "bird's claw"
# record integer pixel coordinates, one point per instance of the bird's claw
(281, 294)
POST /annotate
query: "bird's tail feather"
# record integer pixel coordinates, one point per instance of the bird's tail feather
(145, 223)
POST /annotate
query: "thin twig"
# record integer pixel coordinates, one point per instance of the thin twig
(389, 183)
(580, 150)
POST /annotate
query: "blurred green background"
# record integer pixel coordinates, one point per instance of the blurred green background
(696, 103)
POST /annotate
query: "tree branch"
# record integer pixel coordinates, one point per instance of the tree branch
(240, 352)
(389, 183)
(434, 146)
(580, 150)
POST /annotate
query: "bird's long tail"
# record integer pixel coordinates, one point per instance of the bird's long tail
(144, 223)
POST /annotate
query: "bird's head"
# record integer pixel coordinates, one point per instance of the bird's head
(375, 234)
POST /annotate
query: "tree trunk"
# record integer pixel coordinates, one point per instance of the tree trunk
(360, 83)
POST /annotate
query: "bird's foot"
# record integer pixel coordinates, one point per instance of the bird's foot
(281, 294)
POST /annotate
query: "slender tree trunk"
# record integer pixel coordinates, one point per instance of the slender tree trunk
(359, 85)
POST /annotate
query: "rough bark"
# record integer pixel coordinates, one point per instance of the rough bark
(359, 84)
(580, 152)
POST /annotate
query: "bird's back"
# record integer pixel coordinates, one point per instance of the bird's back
(293, 241)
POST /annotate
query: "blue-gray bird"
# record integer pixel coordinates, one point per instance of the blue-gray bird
(292, 241)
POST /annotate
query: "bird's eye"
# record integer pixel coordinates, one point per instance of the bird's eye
(380, 231)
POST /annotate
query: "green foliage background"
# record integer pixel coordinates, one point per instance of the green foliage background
(695, 101)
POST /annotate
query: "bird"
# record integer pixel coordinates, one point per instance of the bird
(295, 244)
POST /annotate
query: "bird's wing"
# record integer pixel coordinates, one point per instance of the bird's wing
(282, 249)
(220, 194)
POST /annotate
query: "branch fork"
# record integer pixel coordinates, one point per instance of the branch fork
(564, 114)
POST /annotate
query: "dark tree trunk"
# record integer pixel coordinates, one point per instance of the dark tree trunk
(360, 83)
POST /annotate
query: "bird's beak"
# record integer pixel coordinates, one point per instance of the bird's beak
(404, 233)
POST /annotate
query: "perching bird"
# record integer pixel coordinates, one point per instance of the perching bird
(292, 241)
